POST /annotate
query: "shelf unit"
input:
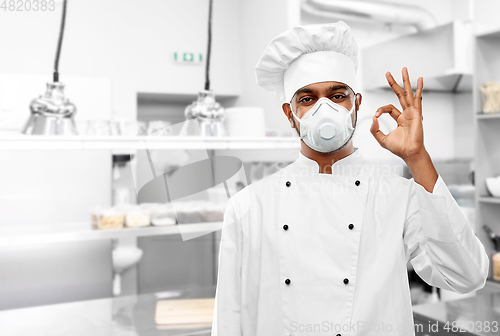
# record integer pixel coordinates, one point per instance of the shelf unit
(245, 148)
(37, 142)
(31, 232)
(25, 235)
(446, 69)
(486, 126)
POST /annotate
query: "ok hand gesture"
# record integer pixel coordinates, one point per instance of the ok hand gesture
(407, 140)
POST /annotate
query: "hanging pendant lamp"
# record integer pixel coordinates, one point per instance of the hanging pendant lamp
(52, 113)
(205, 110)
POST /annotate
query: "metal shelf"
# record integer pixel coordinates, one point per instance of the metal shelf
(23, 142)
(488, 33)
(488, 115)
(25, 235)
(489, 199)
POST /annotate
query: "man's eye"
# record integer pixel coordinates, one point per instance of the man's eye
(305, 100)
(339, 96)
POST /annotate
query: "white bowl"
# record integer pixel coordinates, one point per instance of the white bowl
(493, 185)
(125, 257)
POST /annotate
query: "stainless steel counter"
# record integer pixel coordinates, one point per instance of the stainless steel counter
(121, 316)
(472, 315)
(134, 316)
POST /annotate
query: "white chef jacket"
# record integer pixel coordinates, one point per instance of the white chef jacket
(307, 253)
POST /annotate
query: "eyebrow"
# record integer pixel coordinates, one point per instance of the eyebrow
(333, 88)
(338, 87)
(304, 90)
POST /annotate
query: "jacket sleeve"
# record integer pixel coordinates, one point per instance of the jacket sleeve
(227, 310)
(439, 242)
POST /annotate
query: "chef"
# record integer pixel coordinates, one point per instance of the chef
(321, 247)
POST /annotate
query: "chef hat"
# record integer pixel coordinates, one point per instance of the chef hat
(309, 54)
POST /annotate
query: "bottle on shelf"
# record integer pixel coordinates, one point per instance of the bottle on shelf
(495, 258)
(122, 183)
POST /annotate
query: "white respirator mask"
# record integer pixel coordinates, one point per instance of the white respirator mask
(326, 126)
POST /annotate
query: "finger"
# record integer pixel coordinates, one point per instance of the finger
(377, 133)
(407, 85)
(391, 109)
(397, 89)
(418, 94)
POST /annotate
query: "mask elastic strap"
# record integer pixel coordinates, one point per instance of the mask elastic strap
(300, 136)
(350, 116)
(294, 114)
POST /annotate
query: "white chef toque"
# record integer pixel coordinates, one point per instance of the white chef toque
(309, 54)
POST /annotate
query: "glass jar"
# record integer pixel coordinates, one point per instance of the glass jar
(158, 128)
(98, 127)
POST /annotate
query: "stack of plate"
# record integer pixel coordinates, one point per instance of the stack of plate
(245, 122)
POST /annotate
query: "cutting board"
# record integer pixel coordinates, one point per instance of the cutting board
(186, 311)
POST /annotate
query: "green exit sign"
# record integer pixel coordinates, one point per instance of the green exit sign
(188, 57)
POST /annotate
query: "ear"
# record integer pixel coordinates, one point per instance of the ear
(359, 98)
(288, 112)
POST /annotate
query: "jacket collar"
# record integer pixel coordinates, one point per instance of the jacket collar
(350, 165)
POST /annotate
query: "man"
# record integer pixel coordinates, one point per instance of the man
(321, 247)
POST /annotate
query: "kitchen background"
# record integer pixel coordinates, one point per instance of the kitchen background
(132, 67)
